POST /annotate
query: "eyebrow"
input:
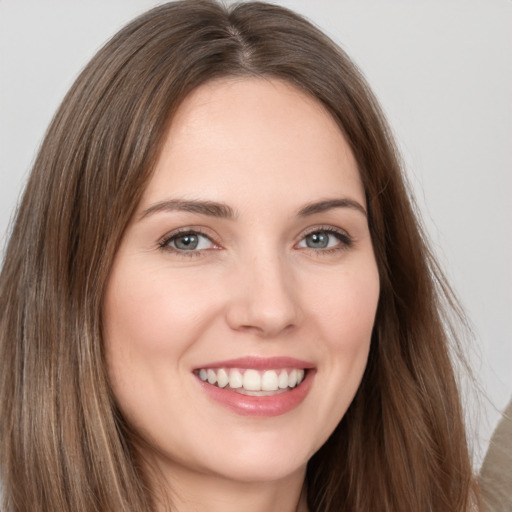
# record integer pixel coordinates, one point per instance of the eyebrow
(224, 211)
(210, 208)
(329, 204)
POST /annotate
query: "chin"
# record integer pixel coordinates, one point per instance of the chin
(259, 471)
(261, 460)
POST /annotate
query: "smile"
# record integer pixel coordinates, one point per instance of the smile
(253, 382)
(255, 386)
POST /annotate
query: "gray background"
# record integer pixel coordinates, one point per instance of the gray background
(443, 72)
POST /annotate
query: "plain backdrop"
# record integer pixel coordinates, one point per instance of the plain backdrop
(442, 70)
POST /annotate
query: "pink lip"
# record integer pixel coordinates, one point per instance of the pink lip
(261, 406)
(260, 363)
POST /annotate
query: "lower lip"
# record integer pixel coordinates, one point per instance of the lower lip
(273, 405)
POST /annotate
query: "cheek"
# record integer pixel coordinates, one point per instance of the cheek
(344, 316)
(150, 322)
(151, 313)
(345, 309)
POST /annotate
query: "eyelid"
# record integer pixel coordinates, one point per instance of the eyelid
(163, 242)
(345, 240)
(344, 237)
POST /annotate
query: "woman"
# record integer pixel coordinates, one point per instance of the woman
(216, 293)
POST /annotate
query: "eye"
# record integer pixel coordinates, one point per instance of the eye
(188, 241)
(325, 239)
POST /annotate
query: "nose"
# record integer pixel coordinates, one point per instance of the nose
(264, 298)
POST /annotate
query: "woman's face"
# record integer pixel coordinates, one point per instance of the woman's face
(240, 306)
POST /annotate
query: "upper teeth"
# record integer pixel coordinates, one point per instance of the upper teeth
(253, 380)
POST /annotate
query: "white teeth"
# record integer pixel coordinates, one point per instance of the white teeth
(222, 378)
(211, 376)
(253, 380)
(283, 379)
(292, 379)
(235, 379)
(269, 381)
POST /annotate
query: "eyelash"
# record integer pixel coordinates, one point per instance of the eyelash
(164, 243)
(345, 241)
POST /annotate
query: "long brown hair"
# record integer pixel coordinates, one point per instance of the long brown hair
(401, 446)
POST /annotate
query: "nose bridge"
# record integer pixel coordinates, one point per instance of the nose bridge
(264, 299)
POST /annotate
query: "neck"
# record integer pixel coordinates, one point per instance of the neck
(186, 492)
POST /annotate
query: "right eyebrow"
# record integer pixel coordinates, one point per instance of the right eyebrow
(329, 204)
(209, 208)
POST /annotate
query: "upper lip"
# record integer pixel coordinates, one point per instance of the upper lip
(260, 363)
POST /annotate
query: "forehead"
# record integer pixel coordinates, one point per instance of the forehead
(240, 137)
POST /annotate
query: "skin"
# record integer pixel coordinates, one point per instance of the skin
(252, 288)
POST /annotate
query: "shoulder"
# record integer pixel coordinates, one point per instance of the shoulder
(496, 473)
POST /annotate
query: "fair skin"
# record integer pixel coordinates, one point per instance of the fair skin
(251, 241)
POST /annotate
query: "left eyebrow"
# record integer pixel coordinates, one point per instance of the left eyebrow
(329, 204)
(209, 208)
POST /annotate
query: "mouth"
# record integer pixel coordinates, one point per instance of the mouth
(256, 386)
(253, 382)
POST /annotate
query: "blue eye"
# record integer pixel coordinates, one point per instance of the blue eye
(188, 241)
(325, 239)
